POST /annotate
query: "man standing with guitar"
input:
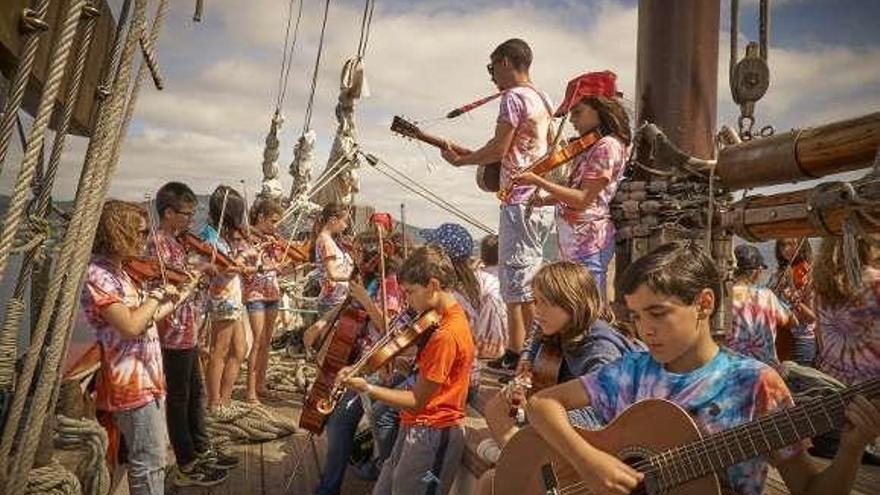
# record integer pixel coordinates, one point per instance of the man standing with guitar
(521, 138)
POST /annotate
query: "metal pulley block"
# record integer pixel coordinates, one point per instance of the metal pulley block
(751, 77)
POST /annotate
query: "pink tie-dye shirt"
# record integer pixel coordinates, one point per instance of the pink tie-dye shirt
(179, 330)
(131, 373)
(262, 285)
(526, 110)
(850, 334)
(586, 231)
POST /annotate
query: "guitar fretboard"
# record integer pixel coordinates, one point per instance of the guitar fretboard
(762, 436)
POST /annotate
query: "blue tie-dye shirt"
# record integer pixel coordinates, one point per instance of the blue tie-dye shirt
(727, 391)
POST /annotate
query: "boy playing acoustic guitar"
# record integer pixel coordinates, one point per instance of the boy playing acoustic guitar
(673, 293)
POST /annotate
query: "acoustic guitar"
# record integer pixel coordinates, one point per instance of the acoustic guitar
(488, 176)
(661, 440)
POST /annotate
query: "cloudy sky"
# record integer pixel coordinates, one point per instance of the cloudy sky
(425, 57)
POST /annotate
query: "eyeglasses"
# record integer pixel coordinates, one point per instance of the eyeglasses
(490, 67)
(187, 214)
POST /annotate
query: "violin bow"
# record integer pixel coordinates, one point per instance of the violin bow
(381, 220)
(152, 221)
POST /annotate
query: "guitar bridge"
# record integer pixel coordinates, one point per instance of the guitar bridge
(551, 483)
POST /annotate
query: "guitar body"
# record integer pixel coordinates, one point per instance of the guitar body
(489, 177)
(336, 353)
(633, 436)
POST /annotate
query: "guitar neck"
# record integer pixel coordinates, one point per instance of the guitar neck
(439, 142)
(760, 437)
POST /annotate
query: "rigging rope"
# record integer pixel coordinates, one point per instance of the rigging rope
(74, 255)
(425, 193)
(366, 24)
(287, 55)
(311, 101)
(35, 24)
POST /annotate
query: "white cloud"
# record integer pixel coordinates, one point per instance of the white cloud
(423, 59)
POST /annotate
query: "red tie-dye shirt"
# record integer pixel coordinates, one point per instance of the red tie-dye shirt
(131, 368)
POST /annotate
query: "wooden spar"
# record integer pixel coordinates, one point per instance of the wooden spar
(801, 154)
(10, 48)
(818, 211)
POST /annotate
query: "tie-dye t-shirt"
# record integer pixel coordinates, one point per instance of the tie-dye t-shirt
(757, 314)
(727, 391)
(850, 334)
(332, 292)
(178, 330)
(262, 285)
(225, 288)
(586, 231)
(526, 109)
(131, 368)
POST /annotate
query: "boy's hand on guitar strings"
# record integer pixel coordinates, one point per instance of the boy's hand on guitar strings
(605, 474)
(863, 423)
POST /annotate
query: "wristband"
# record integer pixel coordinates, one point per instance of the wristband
(369, 390)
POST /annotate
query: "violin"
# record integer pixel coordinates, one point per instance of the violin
(192, 243)
(397, 340)
(556, 159)
(144, 269)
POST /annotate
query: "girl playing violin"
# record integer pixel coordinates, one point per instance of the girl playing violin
(794, 285)
(198, 463)
(335, 266)
(131, 384)
(261, 292)
(229, 346)
(586, 233)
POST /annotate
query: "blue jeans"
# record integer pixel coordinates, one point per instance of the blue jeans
(340, 429)
(804, 352)
(597, 263)
(144, 432)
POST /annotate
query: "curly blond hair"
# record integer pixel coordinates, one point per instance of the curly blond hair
(118, 229)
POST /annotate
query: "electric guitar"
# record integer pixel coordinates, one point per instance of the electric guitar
(488, 176)
(661, 440)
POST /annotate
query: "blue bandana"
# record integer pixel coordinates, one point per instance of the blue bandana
(452, 238)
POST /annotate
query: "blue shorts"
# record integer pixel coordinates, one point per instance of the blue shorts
(254, 306)
(521, 249)
(597, 263)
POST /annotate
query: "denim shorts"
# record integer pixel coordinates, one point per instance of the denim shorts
(521, 249)
(597, 263)
(254, 306)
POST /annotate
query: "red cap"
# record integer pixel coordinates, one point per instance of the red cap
(589, 84)
(383, 219)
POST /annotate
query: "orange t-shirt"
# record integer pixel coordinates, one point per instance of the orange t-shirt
(446, 359)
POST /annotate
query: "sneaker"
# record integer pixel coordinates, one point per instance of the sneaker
(506, 363)
(216, 459)
(199, 474)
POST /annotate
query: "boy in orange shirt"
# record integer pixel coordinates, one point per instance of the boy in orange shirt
(428, 449)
